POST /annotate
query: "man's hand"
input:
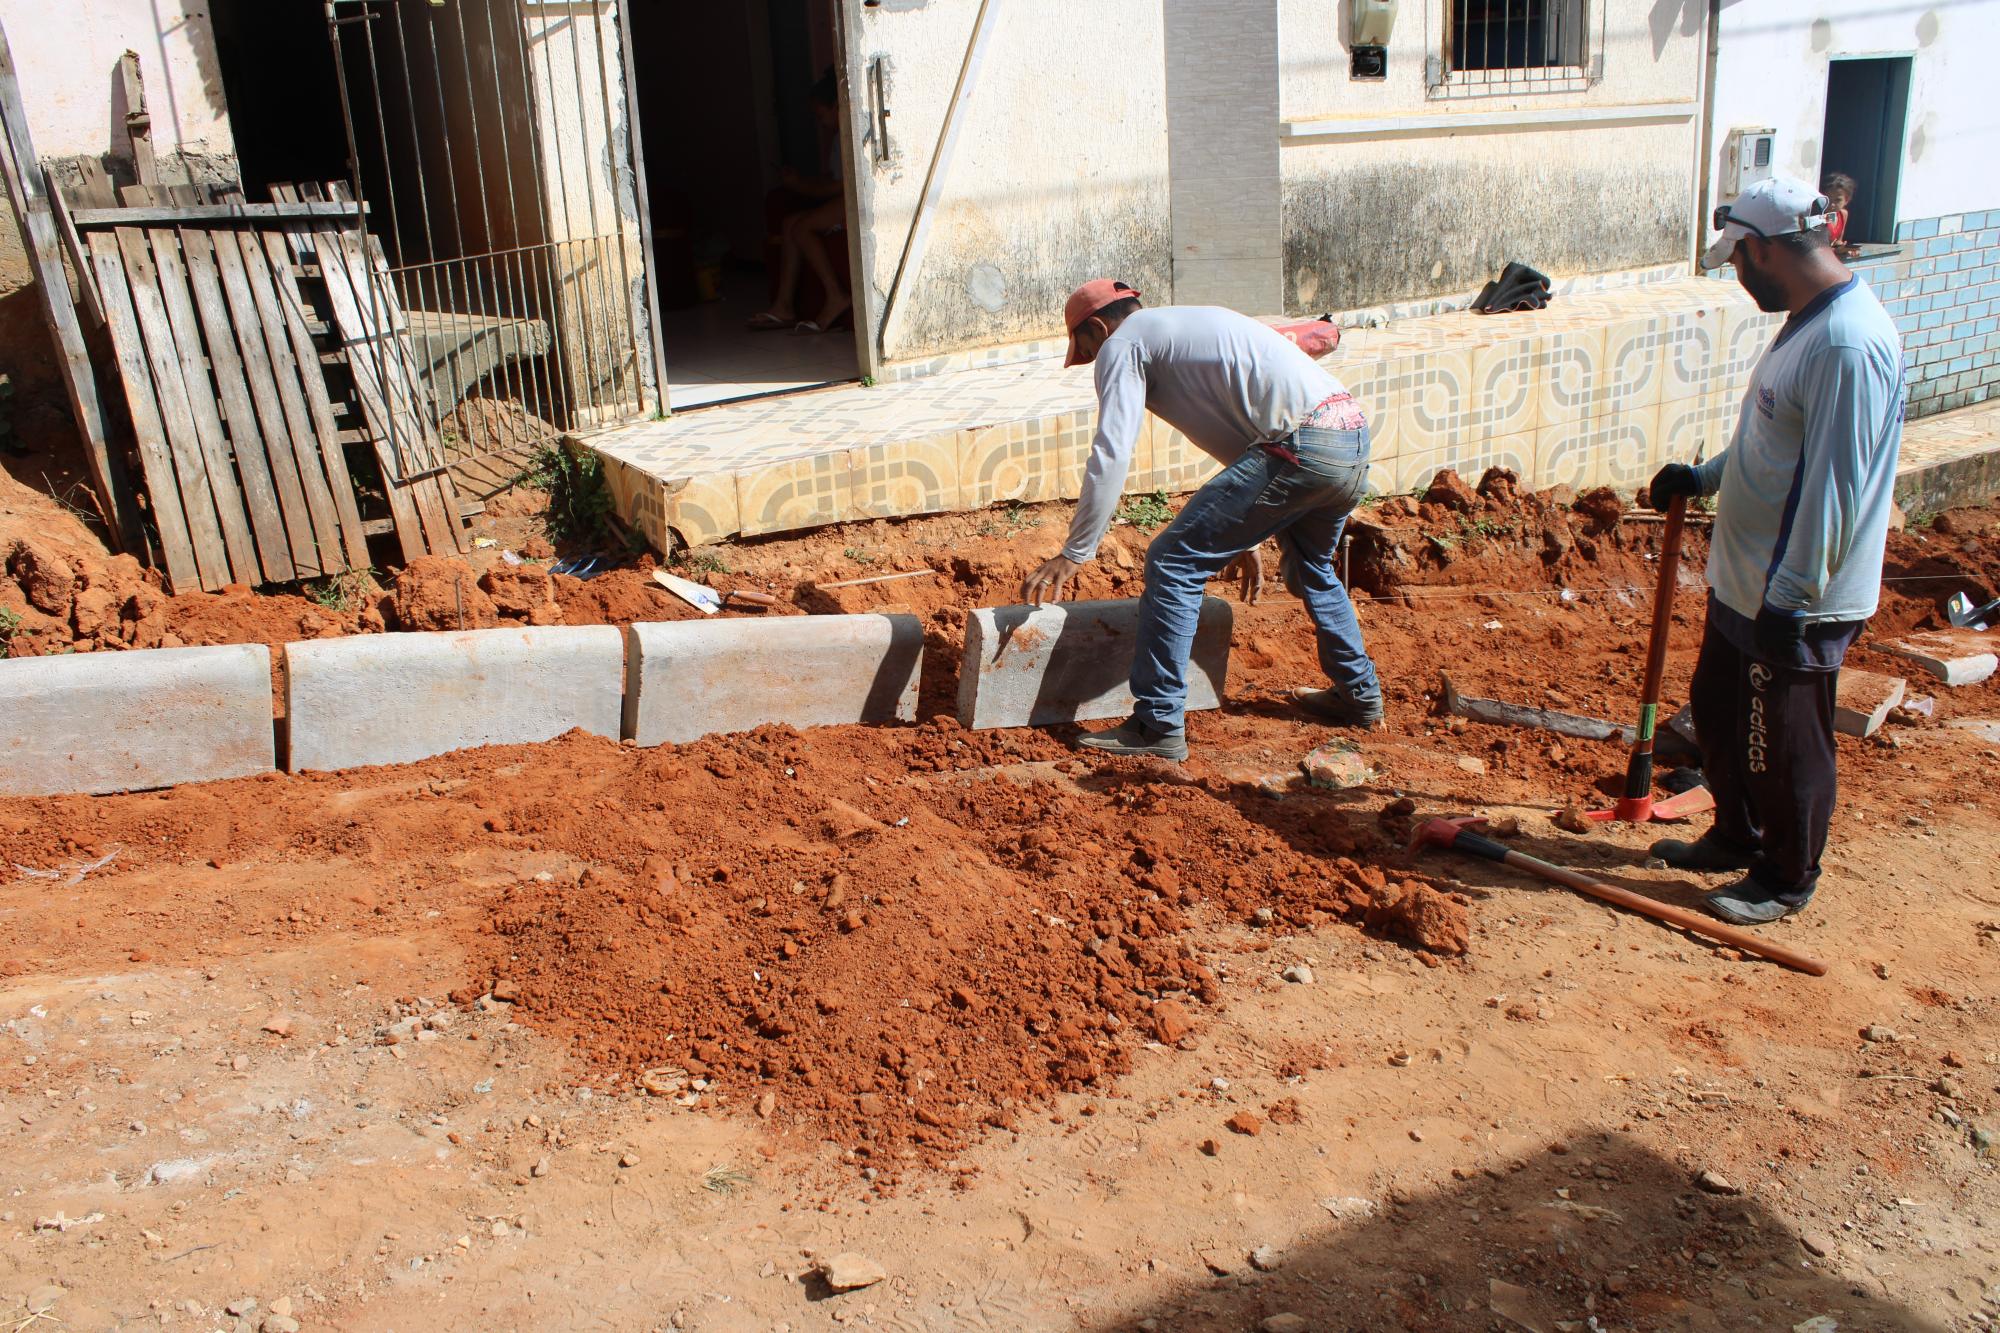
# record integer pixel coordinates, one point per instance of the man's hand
(1048, 583)
(1779, 633)
(1248, 571)
(1675, 479)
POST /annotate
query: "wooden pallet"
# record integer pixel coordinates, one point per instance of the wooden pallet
(384, 371)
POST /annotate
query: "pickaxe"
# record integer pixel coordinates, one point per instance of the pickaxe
(1460, 835)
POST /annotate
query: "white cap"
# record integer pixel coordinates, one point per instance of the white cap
(1774, 206)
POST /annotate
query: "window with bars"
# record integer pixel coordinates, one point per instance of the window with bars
(1514, 43)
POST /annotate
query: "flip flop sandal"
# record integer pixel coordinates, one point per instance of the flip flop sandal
(767, 323)
(806, 328)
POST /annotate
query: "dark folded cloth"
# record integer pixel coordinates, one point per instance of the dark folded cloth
(1517, 288)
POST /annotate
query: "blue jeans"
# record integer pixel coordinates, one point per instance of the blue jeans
(1305, 506)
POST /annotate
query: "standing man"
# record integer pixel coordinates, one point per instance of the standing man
(1795, 564)
(1295, 453)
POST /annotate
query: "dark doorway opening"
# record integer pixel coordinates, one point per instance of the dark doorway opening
(284, 102)
(740, 138)
(1867, 105)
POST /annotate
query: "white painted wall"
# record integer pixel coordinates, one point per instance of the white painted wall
(1394, 191)
(1059, 171)
(66, 52)
(1772, 71)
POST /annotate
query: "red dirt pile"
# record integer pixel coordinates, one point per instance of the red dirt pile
(892, 963)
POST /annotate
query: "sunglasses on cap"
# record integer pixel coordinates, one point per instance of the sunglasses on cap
(1722, 218)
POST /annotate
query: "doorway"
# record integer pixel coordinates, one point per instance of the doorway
(1867, 104)
(738, 112)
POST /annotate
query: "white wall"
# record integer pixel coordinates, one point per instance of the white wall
(1059, 171)
(1395, 191)
(1772, 71)
(66, 53)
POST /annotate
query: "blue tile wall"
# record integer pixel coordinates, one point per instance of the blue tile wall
(1943, 290)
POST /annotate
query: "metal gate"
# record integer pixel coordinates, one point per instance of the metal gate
(493, 147)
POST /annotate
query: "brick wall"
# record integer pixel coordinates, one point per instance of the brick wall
(1943, 291)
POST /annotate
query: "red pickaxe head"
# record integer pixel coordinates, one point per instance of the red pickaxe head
(1441, 831)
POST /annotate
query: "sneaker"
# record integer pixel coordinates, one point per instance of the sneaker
(1137, 738)
(1748, 903)
(1707, 852)
(1336, 706)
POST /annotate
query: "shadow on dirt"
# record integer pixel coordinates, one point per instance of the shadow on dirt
(1604, 1234)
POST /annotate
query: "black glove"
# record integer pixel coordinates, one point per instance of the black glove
(1779, 633)
(1675, 479)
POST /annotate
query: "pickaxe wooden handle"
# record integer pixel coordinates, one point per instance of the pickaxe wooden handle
(1459, 835)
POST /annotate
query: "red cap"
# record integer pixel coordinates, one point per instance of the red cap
(1086, 301)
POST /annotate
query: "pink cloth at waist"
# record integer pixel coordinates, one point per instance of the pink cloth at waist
(1338, 412)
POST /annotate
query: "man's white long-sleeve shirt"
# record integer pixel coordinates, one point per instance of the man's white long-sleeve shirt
(1805, 487)
(1222, 379)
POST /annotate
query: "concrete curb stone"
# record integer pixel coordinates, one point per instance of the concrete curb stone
(687, 679)
(1071, 662)
(95, 723)
(396, 698)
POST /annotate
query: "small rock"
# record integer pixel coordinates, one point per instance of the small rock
(1654, 863)
(1715, 1184)
(1706, 1259)
(851, 1272)
(282, 1307)
(507, 989)
(279, 1323)
(1876, 1032)
(278, 1025)
(241, 1306)
(767, 1105)
(1284, 1323)
(629, 1159)
(1571, 819)
(498, 1231)
(1263, 916)
(239, 1063)
(1617, 1284)
(1816, 1245)
(1954, 1060)
(1946, 1086)
(1416, 1136)
(1209, 1147)
(540, 1169)
(1245, 1122)
(1265, 1259)
(1299, 974)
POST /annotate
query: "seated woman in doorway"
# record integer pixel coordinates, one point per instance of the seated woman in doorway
(803, 234)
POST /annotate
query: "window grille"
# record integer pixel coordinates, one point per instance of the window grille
(1506, 46)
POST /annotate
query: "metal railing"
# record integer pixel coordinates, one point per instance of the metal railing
(486, 138)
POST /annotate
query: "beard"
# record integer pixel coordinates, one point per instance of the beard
(1763, 288)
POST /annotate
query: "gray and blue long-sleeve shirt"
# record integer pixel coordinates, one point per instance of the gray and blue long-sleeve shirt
(1806, 485)
(1222, 379)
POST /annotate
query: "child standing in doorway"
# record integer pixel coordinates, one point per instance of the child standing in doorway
(1838, 187)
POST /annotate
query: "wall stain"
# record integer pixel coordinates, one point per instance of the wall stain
(1927, 27)
(999, 273)
(1370, 235)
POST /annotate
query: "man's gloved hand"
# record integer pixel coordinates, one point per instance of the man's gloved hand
(1778, 633)
(1675, 479)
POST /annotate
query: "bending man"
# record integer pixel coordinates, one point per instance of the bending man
(1795, 566)
(1295, 453)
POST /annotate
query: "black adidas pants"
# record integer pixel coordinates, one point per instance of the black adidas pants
(1766, 735)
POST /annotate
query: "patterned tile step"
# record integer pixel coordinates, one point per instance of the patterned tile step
(1598, 389)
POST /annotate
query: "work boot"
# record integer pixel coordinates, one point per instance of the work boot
(1706, 853)
(1335, 705)
(1748, 903)
(1134, 736)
